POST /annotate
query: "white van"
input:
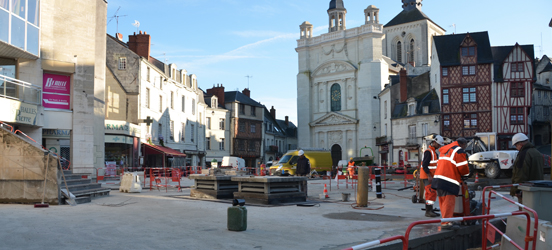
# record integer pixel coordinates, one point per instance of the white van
(234, 162)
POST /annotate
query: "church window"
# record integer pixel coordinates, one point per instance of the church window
(399, 51)
(411, 54)
(336, 97)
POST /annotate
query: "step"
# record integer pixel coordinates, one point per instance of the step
(74, 188)
(76, 182)
(94, 191)
(73, 176)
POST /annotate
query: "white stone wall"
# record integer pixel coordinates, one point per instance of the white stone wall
(216, 134)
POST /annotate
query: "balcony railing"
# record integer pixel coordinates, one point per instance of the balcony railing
(412, 141)
(19, 90)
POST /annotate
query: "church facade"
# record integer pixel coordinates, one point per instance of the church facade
(340, 75)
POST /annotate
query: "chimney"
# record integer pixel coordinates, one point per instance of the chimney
(217, 91)
(140, 44)
(247, 92)
(273, 112)
(403, 87)
(287, 120)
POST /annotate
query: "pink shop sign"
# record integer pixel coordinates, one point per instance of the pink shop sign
(54, 101)
(56, 84)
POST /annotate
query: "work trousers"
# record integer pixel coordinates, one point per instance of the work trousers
(446, 203)
(430, 193)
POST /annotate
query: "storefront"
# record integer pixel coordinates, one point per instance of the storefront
(58, 141)
(162, 157)
(122, 143)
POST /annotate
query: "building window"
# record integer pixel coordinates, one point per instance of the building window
(468, 51)
(445, 96)
(251, 146)
(148, 74)
(183, 132)
(172, 100)
(468, 95)
(241, 126)
(385, 110)
(192, 132)
(468, 70)
(160, 131)
(221, 124)
(122, 63)
(208, 122)
(208, 143)
(547, 80)
(161, 82)
(385, 133)
(411, 54)
(200, 119)
(241, 145)
(516, 116)
(161, 104)
(425, 109)
(253, 111)
(183, 104)
(172, 131)
(446, 122)
(546, 111)
(253, 128)
(193, 106)
(517, 89)
(445, 72)
(412, 132)
(470, 121)
(538, 95)
(336, 97)
(147, 97)
(221, 144)
(399, 51)
(242, 108)
(424, 129)
(517, 67)
(411, 109)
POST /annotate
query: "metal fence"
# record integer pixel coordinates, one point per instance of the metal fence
(12, 88)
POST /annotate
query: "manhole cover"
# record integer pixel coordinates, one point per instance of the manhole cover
(362, 216)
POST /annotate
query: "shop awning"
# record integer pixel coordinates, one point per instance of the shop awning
(154, 149)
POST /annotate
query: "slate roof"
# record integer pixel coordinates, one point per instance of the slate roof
(290, 129)
(541, 67)
(500, 53)
(407, 16)
(430, 99)
(448, 48)
(336, 4)
(237, 96)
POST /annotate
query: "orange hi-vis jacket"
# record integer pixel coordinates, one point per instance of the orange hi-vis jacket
(452, 165)
(431, 162)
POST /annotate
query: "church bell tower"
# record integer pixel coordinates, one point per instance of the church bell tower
(336, 14)
(412, 4)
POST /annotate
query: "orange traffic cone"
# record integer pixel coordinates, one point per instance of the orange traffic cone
(326, 192)
(476, 178)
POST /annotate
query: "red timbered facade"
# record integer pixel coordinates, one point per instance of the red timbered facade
(466, 81)
(513, 85)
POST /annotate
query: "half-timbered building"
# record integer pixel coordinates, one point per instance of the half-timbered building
(514, 75)
(462, 66)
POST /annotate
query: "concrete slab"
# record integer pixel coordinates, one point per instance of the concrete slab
(160, 220)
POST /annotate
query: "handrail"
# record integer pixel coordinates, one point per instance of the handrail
(19, 82)
(34, 97)
(5, 124)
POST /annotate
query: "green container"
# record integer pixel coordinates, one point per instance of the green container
(237, 218)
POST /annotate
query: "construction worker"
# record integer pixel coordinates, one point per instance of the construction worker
(303, 169)
(429, 165)
(351, 168)
(528, 165)
(451, 167)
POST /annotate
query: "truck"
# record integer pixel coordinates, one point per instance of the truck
(320, 160)
(483, 156)
(234, 162)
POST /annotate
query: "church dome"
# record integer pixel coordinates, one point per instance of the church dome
(336, 4)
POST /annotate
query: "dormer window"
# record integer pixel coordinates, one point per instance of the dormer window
(468, 51)
(411, 109)
(122, 63)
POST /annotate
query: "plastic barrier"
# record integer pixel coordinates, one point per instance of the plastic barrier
(109, 175)
(161, 176)
(130, 183)
(405, 238)
(485, 222)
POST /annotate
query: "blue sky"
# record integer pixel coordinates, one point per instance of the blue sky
(222, 41)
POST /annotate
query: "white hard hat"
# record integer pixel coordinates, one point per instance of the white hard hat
(519, 137)
(301, 152)
(439, 140)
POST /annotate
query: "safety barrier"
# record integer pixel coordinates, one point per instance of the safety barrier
(384, 176)
(405, 238)
(109, 174)
(188, 170)
(161, 177)
(487, 208)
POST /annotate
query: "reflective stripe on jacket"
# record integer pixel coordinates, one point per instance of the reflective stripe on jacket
(452, 165)
(432, 163)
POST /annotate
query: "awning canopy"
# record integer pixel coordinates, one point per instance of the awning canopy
(154, 149)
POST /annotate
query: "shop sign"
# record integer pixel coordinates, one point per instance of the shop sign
(121, 127)
(56, 133)
(18, 112)
(54, 101)
(56, 91)
(119, 139)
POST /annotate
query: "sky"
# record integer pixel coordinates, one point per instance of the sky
(223, 41)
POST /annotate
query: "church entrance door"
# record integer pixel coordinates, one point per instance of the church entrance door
(336, 154)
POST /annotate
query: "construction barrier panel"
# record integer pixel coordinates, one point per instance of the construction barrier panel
(162, 177)
(130, 183)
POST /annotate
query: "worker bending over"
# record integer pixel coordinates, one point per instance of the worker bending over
(452, 165)
(429, 165)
